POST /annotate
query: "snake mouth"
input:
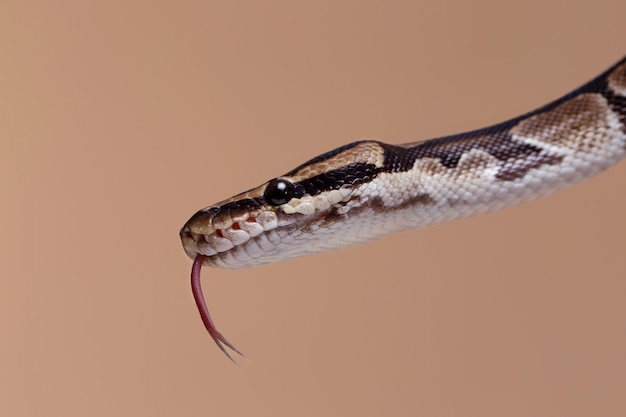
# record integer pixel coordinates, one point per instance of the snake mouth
(208, 234)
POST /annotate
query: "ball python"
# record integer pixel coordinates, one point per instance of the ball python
(368, 189)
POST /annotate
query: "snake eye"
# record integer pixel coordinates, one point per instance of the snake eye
(278, 192)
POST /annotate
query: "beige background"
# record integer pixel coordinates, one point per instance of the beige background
(119, 120)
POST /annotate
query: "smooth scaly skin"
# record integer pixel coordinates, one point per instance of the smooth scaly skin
(369, 189)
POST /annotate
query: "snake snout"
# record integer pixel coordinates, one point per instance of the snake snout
(193, 232)
(200, 223)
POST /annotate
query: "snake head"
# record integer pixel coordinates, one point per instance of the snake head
(246, 230)
(228, 232)
(292, 215)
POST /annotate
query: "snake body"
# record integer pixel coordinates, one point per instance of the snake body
(368, 189)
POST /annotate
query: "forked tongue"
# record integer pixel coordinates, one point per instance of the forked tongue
(196, 288)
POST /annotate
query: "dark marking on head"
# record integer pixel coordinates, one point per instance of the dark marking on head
(349, 175)
(346, 176)
(325, 156)
(363, 152)
(243, 204)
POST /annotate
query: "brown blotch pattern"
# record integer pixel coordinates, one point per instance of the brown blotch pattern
(474, 163)
(477, 161)
(579, 124)
(432, 166)
(516, 169)
(617, 80)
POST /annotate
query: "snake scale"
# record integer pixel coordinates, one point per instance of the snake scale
(368, 189)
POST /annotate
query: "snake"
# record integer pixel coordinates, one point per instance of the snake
(368, 189)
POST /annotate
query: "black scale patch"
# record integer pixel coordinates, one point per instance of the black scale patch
(349, 175)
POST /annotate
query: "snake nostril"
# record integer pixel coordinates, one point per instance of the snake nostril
(200, 223)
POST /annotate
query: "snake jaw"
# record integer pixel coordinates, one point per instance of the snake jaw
(211, 231)
(198, 296)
